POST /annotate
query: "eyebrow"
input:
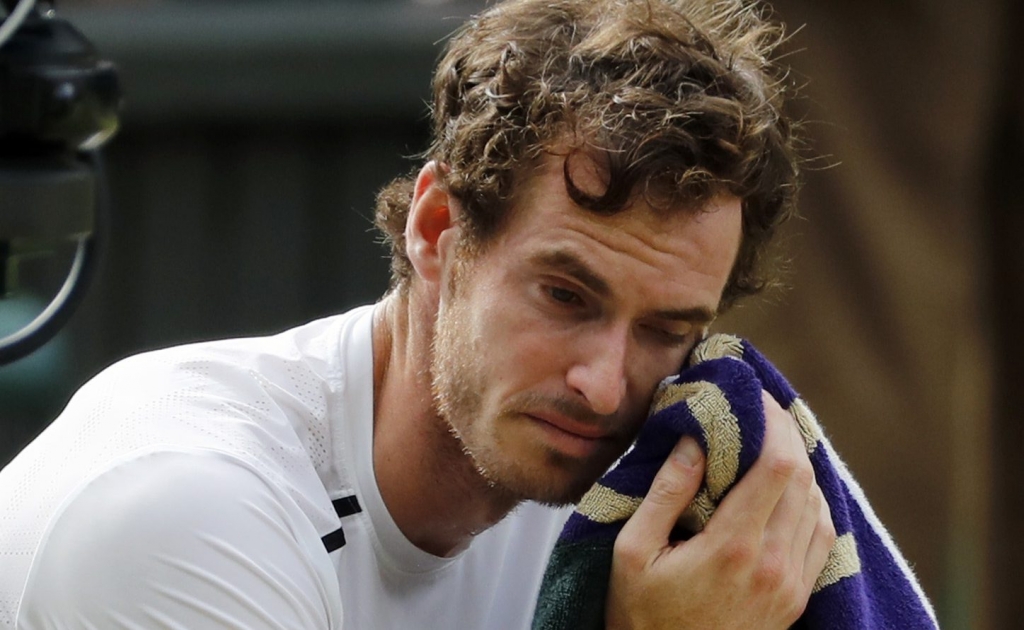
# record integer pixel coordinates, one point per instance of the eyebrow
(570, 263)
(694, 315)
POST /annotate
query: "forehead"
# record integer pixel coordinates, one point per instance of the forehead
(688, 252)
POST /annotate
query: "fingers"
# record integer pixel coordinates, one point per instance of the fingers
(822, 540)
(783, 506)
(755, 563)
(804, 531)
(800, 527)
(673, 489)
(791, 525)
(756, 496)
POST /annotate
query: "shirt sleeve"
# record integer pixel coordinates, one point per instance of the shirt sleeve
(179, 540)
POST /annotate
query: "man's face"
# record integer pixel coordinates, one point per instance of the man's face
(550, 342)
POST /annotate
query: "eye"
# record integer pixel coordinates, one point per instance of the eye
(564, 296)
(669, 337)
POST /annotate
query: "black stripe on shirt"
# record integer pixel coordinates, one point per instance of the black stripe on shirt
(345, 506)
(334, 541)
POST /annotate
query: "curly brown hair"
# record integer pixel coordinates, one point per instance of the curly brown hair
(677, 98)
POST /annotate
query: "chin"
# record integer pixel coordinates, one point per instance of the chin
(556, 481)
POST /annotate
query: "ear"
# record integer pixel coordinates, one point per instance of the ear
(432, 228)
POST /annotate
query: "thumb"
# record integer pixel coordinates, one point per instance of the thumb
(674, 487)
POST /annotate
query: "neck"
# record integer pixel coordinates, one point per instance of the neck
(430, 486)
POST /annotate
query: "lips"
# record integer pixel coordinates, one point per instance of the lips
(573, 427)
(570, 438)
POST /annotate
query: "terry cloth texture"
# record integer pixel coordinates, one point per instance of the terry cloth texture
(866, 583)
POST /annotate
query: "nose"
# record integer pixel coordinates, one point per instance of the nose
(599, 376)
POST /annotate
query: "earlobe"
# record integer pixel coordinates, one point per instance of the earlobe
(430, 216)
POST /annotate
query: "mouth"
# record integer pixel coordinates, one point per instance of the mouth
(569, 436)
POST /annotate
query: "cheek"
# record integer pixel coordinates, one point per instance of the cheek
(649, 368)
(520, 345)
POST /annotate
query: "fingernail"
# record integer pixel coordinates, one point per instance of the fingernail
(687, 451)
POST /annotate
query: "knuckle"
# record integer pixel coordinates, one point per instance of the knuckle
(815, 501)
(782, 466)
(628, 555)
(770, 575)
(797, 603)
(783, 584)
(668, 489)
(625, 545)
(738, 553)
(803, 475)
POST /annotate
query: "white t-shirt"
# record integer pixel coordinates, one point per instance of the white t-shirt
(230, 485)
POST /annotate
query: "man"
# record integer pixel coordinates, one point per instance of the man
(603, 178)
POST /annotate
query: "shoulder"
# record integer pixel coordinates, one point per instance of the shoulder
(315, 344)
(197, 538)
(305, 353)
(269, 400)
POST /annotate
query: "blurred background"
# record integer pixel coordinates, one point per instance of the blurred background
(256, 133)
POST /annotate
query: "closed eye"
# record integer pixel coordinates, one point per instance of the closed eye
(669, 337)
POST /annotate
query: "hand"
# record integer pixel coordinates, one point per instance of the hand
(754, 564)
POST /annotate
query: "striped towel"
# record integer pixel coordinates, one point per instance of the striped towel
(866, 583)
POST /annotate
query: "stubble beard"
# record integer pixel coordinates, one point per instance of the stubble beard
(458, 376)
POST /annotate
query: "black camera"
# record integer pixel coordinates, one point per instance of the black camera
(58, 104)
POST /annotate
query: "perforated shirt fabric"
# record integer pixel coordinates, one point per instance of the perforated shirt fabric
(191, 488)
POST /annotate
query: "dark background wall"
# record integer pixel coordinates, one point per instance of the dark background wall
(256, 133)
(254, 138)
